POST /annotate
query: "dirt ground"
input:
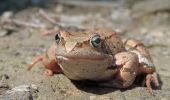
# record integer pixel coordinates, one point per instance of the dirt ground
(21, 40)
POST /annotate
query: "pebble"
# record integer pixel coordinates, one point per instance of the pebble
(3, 33)
(21, 92)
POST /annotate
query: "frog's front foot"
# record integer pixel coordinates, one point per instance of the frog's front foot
(128, 65)
(36, 60)
(48, 72)
(51, 65)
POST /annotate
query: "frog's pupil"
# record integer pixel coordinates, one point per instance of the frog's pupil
(97, 40)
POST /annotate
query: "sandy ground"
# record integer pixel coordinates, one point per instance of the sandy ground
(19, 45)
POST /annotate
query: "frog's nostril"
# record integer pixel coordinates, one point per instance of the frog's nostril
(79, 45)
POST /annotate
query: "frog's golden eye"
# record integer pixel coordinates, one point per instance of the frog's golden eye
(57, 37)
(95, 41)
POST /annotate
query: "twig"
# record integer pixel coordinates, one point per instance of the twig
(23, 23)
(48, 18)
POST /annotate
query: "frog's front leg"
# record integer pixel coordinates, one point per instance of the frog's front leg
(51, 65)
(49, 61)
(127, 64)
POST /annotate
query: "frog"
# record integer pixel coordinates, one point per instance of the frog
(98, 55)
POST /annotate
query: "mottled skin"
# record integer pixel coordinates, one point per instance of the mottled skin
(98, 55)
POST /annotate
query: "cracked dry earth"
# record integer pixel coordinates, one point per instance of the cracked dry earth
(20, 47)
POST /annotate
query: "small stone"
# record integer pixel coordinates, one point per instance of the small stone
(22, 92)
(93, 98)
(6, 16)
(59, 8)
(3, 83)
(3, 33)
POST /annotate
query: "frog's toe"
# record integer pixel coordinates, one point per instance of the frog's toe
(152, 78)
(37, 59)
(155, 79)
(48, 72)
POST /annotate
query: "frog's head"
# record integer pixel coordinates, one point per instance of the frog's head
(88, 54)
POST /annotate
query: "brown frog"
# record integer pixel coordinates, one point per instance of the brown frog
(98, 55)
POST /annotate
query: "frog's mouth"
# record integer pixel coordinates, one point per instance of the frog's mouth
(92, 58)
(97, 58)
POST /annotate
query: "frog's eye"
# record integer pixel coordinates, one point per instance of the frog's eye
(57, 37)
(95, 41)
